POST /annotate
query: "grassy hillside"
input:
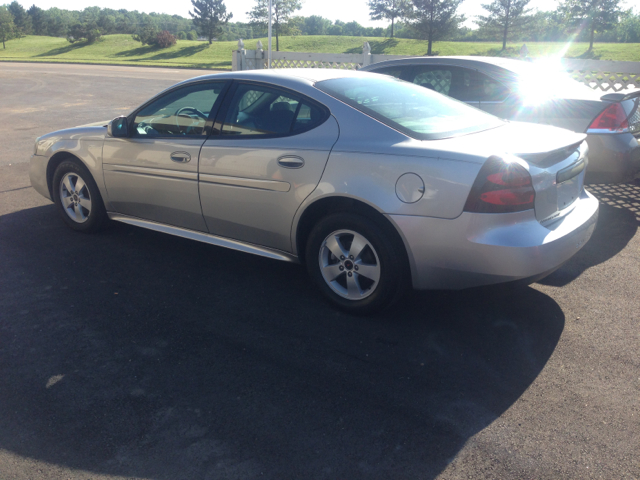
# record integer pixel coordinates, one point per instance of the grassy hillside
(123, 50)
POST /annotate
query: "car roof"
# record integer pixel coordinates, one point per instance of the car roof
(303, 75)
(510, 64)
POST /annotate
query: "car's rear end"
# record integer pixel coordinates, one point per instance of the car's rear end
(488, 201)
(526, 215)
(614, 139)
(611, 121)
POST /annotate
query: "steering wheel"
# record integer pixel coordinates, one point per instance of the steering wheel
(192, 113)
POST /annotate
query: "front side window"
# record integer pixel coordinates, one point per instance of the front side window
(183, 112)
(418, 112)
(261, 110)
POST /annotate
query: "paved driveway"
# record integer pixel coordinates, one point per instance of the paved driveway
(132, 354)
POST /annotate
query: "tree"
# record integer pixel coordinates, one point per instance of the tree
(352, 29)
(146, 33)
(336, 28)
(388, 9)
(434, 19)
(505, 17)
(38, 20)
(316, 25)
(628, 31)
(21, 20)
(106, 22)
(281, 16)
(209, 16)
(7, 27)
(57, 22)
(87, 30)
(591, 15)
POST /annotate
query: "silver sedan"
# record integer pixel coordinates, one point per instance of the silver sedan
(373, 183)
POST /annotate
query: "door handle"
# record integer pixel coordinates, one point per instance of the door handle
(180, 157)
(291, 161)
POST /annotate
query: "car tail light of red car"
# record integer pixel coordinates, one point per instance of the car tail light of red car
(613, 119)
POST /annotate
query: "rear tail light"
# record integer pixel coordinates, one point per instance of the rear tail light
(613, 119)
(501, 187)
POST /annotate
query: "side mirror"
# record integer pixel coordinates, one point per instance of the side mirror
(118, 127)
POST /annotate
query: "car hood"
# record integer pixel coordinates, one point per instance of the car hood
(70, 137)
(103, 123)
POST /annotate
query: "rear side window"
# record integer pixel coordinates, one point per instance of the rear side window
(438, 80)
(309, 116)
(415, 111)
(490, 90)
(262, 110)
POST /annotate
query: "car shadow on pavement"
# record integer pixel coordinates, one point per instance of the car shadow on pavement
(618, 221)
(139, 354)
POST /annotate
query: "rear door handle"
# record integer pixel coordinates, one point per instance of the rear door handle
(180, 157)
(291, 161)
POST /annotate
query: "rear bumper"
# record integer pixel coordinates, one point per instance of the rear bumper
(613, 158)
(483, 249)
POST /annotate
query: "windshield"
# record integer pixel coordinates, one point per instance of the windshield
(413, 110)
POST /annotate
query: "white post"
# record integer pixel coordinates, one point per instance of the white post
(259, 55)
(241, 54)
(269, 34)
(366, 54)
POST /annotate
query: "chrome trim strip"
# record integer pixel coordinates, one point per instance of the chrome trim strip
(205, 238)
(275, 185)
(151, 172)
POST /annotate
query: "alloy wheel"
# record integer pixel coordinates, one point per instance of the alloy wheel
(75, 197)
(349, 264)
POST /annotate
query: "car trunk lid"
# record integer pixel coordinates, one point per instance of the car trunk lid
(556, 160)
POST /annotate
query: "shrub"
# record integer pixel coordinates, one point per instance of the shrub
(164, 39)
(191, 36)
(84, 31)
(146, 34)
(181, 36)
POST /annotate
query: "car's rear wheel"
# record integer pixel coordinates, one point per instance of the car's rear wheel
(356, 266)
(78, 198)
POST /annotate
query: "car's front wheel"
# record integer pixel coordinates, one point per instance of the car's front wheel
(355, 264)
(77, 197)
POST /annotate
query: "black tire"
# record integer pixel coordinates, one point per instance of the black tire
(382, 249)
(72, 207)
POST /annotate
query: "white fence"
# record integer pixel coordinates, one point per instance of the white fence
(603, 75)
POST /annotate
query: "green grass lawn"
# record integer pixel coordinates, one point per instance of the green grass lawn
(123, 50)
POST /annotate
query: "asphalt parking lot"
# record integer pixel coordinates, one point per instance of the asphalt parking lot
(133, 354)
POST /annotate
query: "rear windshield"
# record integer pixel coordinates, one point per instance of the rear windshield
(543, 80)
(413, 110)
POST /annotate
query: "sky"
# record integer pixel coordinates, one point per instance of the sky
(345, 10)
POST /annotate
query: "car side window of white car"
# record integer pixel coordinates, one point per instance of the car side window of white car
(490, 90)
(261, 110)
(182, 112)
(435, 79)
